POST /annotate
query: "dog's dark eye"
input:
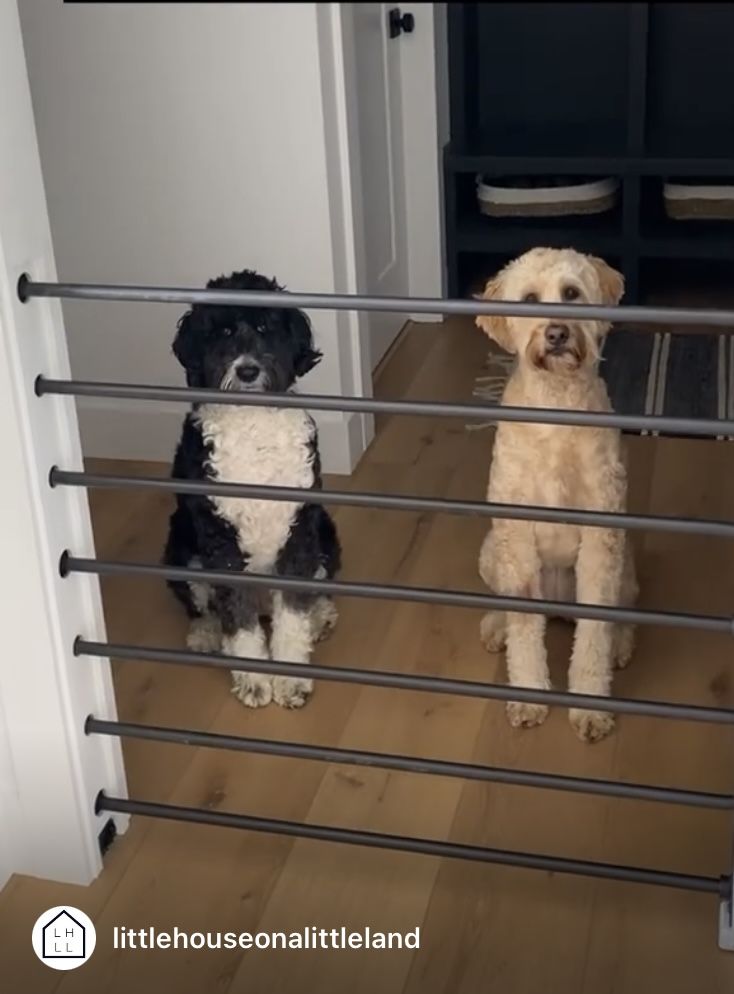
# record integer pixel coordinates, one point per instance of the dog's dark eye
(530, 298)
(571, 293)
(227, 332)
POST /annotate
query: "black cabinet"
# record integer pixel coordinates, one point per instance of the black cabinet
(642, 93)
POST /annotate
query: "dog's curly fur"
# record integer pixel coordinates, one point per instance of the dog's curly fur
(552, 465)
(264, 349)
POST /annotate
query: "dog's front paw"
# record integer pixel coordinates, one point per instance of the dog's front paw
(624, 646)
(591, 726)
(324, 617)
(205, 635)
(291, 692)
(254, 690)
(522, 715)
(493, 631)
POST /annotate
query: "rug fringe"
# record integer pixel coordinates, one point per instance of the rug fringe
(491, 387)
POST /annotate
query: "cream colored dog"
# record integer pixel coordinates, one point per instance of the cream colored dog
(553, 465)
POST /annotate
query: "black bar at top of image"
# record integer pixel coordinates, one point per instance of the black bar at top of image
(28, 288)
(402, 843)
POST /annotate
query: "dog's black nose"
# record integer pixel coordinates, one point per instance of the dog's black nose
(248, 372)
(556, 335)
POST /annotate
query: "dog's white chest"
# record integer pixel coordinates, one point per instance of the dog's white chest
(259, 446)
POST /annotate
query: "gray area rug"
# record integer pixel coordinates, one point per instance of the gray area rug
(676, 375)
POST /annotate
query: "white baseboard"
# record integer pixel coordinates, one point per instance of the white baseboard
(149, 432)
(343, 439)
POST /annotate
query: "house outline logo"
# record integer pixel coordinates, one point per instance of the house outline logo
(63, 937)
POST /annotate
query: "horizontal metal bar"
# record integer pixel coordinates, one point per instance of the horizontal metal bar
(406, 681)
(417, 408)
(403, 843)
(28, 288)
(411, 764)
(421, 595)
(394, 502)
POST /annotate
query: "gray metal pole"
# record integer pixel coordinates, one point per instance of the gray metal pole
(418, 408)
(423, 595)
(402, 843)
(410, 764)
(28, 288)
(406, 681)
(523, 512)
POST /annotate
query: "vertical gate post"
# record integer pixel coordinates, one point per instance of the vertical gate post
(50, 772)
(726, 914)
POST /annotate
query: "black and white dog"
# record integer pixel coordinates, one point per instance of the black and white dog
(263, 349)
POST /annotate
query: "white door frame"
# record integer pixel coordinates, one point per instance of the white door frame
(424, 92)
(50, 771)
(424, 97)
(345, 208)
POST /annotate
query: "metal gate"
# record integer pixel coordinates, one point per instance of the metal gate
(70, 563)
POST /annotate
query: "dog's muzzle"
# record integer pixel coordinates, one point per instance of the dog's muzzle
(557, 339)
(245, 374)
(557, 348)
(248, 372)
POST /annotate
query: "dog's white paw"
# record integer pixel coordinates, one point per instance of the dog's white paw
(254, 690)
(591, 726)
(522, 715)
(291, 692)
(324, 617)
(624, 646)
(205, 635)
(493, 631)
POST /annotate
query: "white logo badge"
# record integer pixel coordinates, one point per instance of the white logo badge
(64, 938)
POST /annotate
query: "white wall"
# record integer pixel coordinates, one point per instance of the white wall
(11, 828)
(180, 141)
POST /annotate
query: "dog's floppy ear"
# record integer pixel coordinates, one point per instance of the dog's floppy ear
(496, 327)
(306, 356)
(188, 346)
(610, 281)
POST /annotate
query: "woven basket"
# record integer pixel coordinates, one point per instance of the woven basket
(699, 201)
(550, 198)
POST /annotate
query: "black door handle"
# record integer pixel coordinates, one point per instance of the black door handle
(400, 22)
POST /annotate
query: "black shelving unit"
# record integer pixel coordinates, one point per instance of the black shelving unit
(642, 92)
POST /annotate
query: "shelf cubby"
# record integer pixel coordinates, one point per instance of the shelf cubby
(635, 91)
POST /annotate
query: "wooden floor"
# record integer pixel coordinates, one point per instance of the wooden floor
(483, 928)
